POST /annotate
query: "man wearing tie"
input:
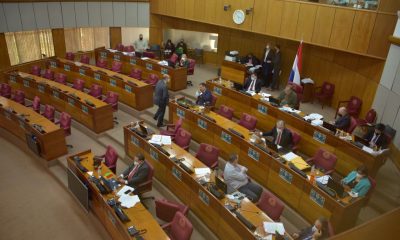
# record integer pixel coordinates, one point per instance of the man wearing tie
(136, 173)
(252, 84)
(204, 96)
(267, 65)
(280, 135)
(377, 138)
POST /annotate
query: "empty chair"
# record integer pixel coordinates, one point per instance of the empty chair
(370, 118)
(324, 161)
(248, 121)
(119, 47)
(165, 210)
(153, 79)
(174, 58)
(70, 56)
(116, 66)
(35, 104)
(85, 59)
(149, 55)
(129, 48)
(49, 74)
(183, 138)
(213, 100)
(172, 129)
(112, 99)
(49, 112)
(208, 155)
(180, 228)
(19, 97)
(110, 158)
(101, 62)
(5, 90)
(353, 106)
(136, 73)
(226, 112)
(35, 70)
(296, 137)
(324, 93)
(60, 78)
(78, 84)
(65, 123)
(271, 205)
(352, 126)
(96, 91)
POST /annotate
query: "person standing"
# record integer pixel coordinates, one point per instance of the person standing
(267, 65)
(141, 45)
(276, 69)
(161, 97)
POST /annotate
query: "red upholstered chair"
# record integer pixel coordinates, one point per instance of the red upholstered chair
(70, 56)
(119, 47)
(129, 48)
(353, 125)
(174, 58)
(370, 118)
(49, 112)
(208, 155)
(5, 90)
(112, 99)
(172, 129)
(324, 93)
(296, 137)
(248, 121)
(110, 158)
(271, 205)
(353, 106)
(96, 91)
(153, 79)
(192, 64)
(60, 78)
(35, 104)
(323, 160)
(136, 73)
(213, 100)
(180, 228)
(65, 123)
(19, 97)
(35, 70)
(101, 62)
(85, 59)
(165, 210)
(116, 66)
(331, 231)
(49, 74)
(298, 89)
(183, 138)
(149, 55)
(147, 185)
(226, 112)
(78, 84)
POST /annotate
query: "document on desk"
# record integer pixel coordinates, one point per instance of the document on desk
(273, 227)
(124, 189)
(323, 179)
(201, 171)
(160, 140)
(290, 156)
(128, 201)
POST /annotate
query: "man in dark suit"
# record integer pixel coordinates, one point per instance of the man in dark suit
(267, 65)
(253, 83)
(136, 173)
(343, 121)
(376, 137)
(276, 69)
(160, 99)
(280, 135)
(204, 96)
(251, 59)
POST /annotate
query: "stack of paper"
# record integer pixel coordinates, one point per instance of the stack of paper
(273, 227)
(323, 179)
(160, 140)
(201, 171)
(251, 93)
(123, 190)
(290, 156)
(128, 201)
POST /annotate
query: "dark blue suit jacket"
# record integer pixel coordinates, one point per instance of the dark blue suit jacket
(343, 122)
(205, 98)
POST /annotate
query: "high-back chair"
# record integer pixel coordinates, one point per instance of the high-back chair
(70, 56)
(119, 47)
(116, 66)
(129, 48)
(49, 112)
(136, 73)
(352, 126)
(271, 205)
(60, 78)
(152, 80)
(5, 90)
(183, 138)
(324, 93)
(19, 97)
(146, 186)
(353, 106)
(112, 99)
(370, 118)
(49, 74)
(226, 112)
(324, 160)
(101, 62)
(36, 70)
(85, 59)
(172, 129)
(248, 121)
(110, 158)
(36, 104)
(96, 91)
(180, 228)
(208, 155)
(78, 84)
(296, 137)
(165, 210)
(65, 124)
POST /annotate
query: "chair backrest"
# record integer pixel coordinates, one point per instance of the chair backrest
(49, 112)
(181, 227)
(248, 121)
(207, 154)
(331, 231)
(353, 125)
(165, 210)
(136, 73)
(178, 125)
(271, 205)
(296, 137)
(95, 90)
(174, 58)
(49, 74)
(78, 84)
(5, 90)
(65, 123)
(328, 89)
(60, 78)
(370, 117)
(354, 106)
(226, 111)
(36, 70)
(120, 47)
(112, 99)
(149, 54)
(213, 100)
(101, 62)
(85, 59)
(70, 56)
(116, 66)
(324, 159)
(153, 79)
(111, 157)
(296, 88)
(182, 138)
(129, 48)
(36, 104)
(19, 97)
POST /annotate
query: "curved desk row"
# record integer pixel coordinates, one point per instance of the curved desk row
(91, 112)
(46, 138)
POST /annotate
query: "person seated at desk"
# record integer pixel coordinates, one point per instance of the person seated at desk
(181, 48)
(288, 97)
(358, 181)
(141, 45)
(204, 96)
(253, 83)
(169, 49)
(318, 231)
(250, 60)
(343, 121)
(376, 137)
(136, 173)
(280, 135)
(236, 178)
(184, 62)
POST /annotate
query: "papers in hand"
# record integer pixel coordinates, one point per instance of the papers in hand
(290, 156)
(273, 227)
(323, 179)
(160, 140)
(201, 171)
(313, 116)
(128, 201)
(123, 190)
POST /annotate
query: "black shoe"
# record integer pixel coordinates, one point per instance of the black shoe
(160, 125)
(155, 118)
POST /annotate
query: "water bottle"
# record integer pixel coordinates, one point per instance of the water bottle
(312, 175)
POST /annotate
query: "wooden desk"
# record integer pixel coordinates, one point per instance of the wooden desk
(51, 139)
(97, 118)
(148, 66)
(295, 190)
(349, 156)
(132, 92)
(139, 216)
(234, 71)
(186, 187)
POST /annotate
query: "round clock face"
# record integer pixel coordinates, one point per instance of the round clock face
(238, 16)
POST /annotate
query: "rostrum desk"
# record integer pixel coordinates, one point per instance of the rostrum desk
(234, 71)
(98, 118)
(307, 199)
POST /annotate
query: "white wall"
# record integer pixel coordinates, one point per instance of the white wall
(129, 35)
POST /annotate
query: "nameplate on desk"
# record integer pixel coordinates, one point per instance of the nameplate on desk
(180, 113)
(97, 76)
(176, 173)
(128, 88)
(41, 88)
(135, 141)
(13, 79)
(111, 217)
(103, 54)
(320, 137)
(262, 109)
(317, 198)
(285, 175)
(82, 71)
(217, 90)
(149, 66)
(26, 83)
(53, 64)
(201, 123)
(204, 197)
(56, 94)
(164, 71)
(113, 82)
(71, 101)
(67, 67)
(253, 154)
(132, 61)
(85, 109)
(154, 154)
(117, 57)
(226, 137)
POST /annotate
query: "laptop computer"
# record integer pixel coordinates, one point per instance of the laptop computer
(361, 140)
(274, 101)
(337, 187)
(221, 185)
(329, 126)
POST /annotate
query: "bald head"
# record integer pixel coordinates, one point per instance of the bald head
(342, 111)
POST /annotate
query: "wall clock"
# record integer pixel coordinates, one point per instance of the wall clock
(238, 16)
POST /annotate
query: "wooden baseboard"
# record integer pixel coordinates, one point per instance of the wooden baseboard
(395, 155)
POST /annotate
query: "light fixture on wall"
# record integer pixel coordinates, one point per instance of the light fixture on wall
(249, 10)
(227, 7)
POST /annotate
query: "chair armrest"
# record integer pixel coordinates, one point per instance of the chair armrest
(166, 226)
(57, 122)
(143, 186)
(214, 165)
(170, 126)
(186, 147)
(328, 172)
(185, 210)
(310, 160)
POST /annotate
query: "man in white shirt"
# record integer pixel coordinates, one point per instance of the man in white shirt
(253, 83)
(235, 176)
(141, 44)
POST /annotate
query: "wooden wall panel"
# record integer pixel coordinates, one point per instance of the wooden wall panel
(179, 8)
(243, 5)
(274, 17)
(391, 6)
(210, 10)
(260, 16)
(341, 28)
(290, 17)
(359, 38)
(199, 10)
(115, 36)
(4, 58)
(384, 26)
(58, 42)
(170, 7)
(306, 20)
(323, 25)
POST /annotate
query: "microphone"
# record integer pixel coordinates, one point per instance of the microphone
(245, 210)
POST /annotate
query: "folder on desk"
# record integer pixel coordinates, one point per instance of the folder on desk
(301, 164)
